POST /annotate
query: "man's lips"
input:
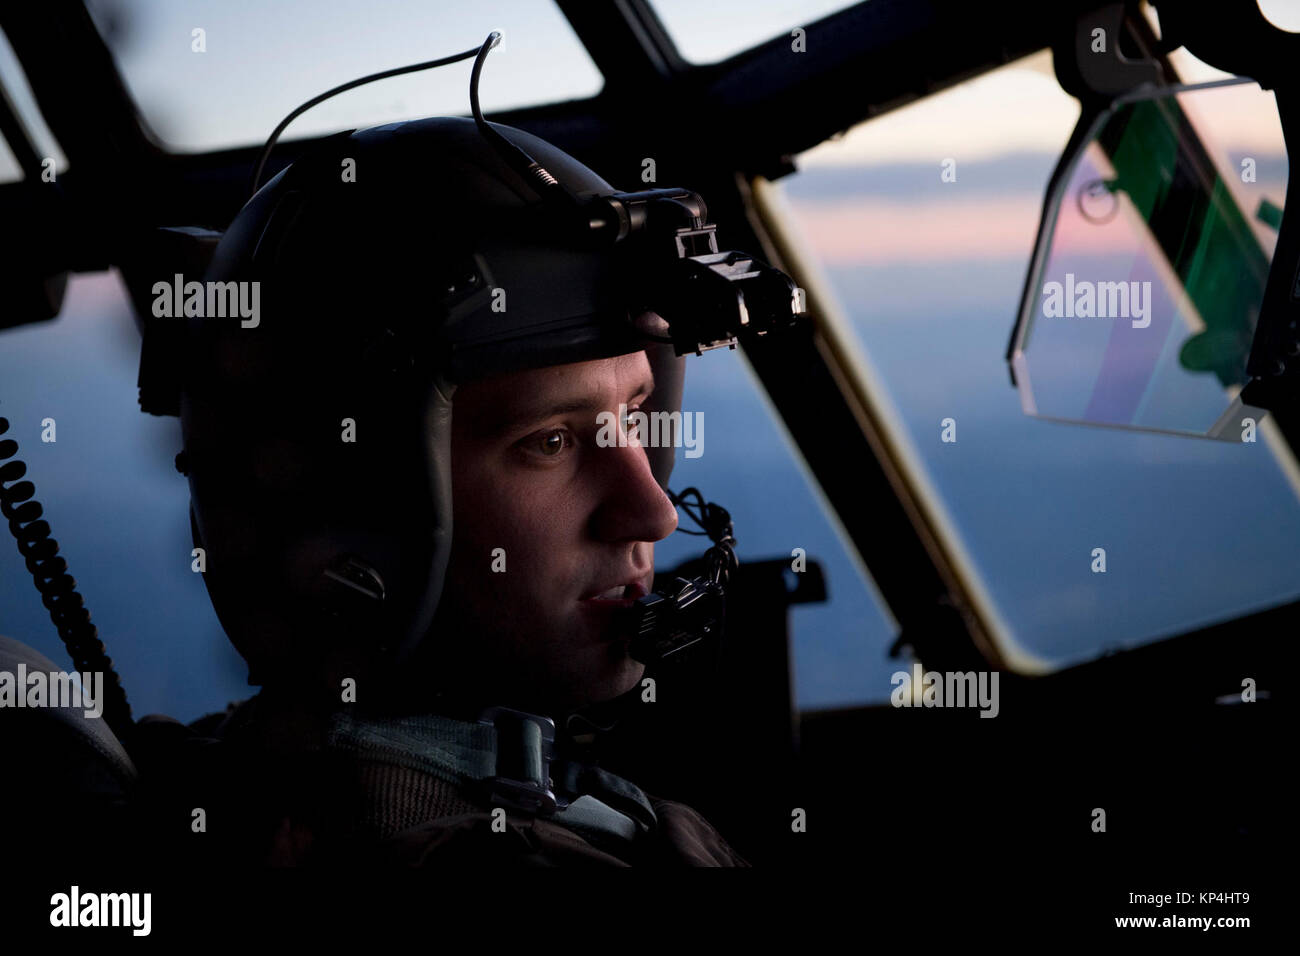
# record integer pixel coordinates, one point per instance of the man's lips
(618, 595)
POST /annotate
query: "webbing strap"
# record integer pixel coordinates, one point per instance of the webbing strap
(587, 815)
(453, 750)
(622, 795)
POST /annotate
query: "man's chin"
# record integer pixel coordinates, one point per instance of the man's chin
(614, 676)
(575, 662)
(629, 677)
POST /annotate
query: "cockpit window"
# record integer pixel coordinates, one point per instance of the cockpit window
(216, 74)
(106, 479)
(1077, 540)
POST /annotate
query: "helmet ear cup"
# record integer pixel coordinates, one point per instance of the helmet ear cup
(213, 583)
(669, 372)
(195, 535)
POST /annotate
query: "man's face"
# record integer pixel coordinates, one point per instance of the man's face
(572, 520)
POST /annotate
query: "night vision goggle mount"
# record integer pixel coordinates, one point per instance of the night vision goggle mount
(708, 298)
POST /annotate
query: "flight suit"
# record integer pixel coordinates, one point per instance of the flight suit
(279, 787)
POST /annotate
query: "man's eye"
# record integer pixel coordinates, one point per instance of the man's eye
(631, 425)
(548, 444)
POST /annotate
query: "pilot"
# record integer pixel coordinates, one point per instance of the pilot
(409, 527)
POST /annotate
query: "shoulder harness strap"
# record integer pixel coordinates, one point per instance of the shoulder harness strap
(507, 758)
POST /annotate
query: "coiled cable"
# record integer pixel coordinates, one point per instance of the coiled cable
(58, 588)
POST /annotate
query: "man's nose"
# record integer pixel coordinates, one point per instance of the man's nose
(632, 505)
